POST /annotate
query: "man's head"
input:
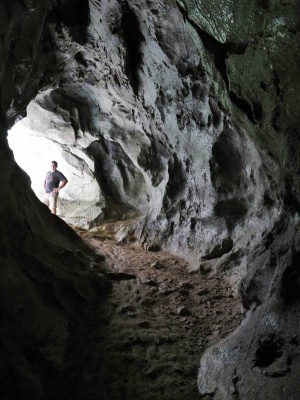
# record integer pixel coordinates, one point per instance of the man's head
(53, 165)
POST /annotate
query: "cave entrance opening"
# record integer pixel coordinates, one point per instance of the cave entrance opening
(32, 155)
(37, 140)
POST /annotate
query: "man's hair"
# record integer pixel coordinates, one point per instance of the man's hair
(54, 162)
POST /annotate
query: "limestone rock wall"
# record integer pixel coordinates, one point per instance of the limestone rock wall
(261, 77)
(146, 109)
(45, 286)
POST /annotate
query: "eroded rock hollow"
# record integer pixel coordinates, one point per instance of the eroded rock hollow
(179, 119)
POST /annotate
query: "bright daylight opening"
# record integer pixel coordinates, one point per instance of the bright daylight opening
(41, 138)
(34, 154)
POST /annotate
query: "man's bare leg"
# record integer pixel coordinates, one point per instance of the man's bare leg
(53, 211)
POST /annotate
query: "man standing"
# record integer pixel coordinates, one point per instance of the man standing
(54, 181)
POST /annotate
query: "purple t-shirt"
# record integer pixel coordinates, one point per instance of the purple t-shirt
(53, 178)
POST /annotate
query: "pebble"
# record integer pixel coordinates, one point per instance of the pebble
(156, 265)
(202, 292)
(153, 247)
(184, 311)
(144, 324)
(148, 281)
(184, 292)
(186, 285)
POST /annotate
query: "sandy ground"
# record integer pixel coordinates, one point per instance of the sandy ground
(149, 335)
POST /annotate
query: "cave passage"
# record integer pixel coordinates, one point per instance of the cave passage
(79, 202)
(34, 154)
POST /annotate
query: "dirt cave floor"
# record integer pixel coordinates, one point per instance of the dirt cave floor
(149, 334)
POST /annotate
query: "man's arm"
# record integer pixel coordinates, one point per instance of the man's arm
(63, 184)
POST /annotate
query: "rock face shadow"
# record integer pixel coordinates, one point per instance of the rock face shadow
(158, 317)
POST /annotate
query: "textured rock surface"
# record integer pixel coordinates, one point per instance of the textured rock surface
(183, 116)
(46, 289)
(157, 320)
(144, 117)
